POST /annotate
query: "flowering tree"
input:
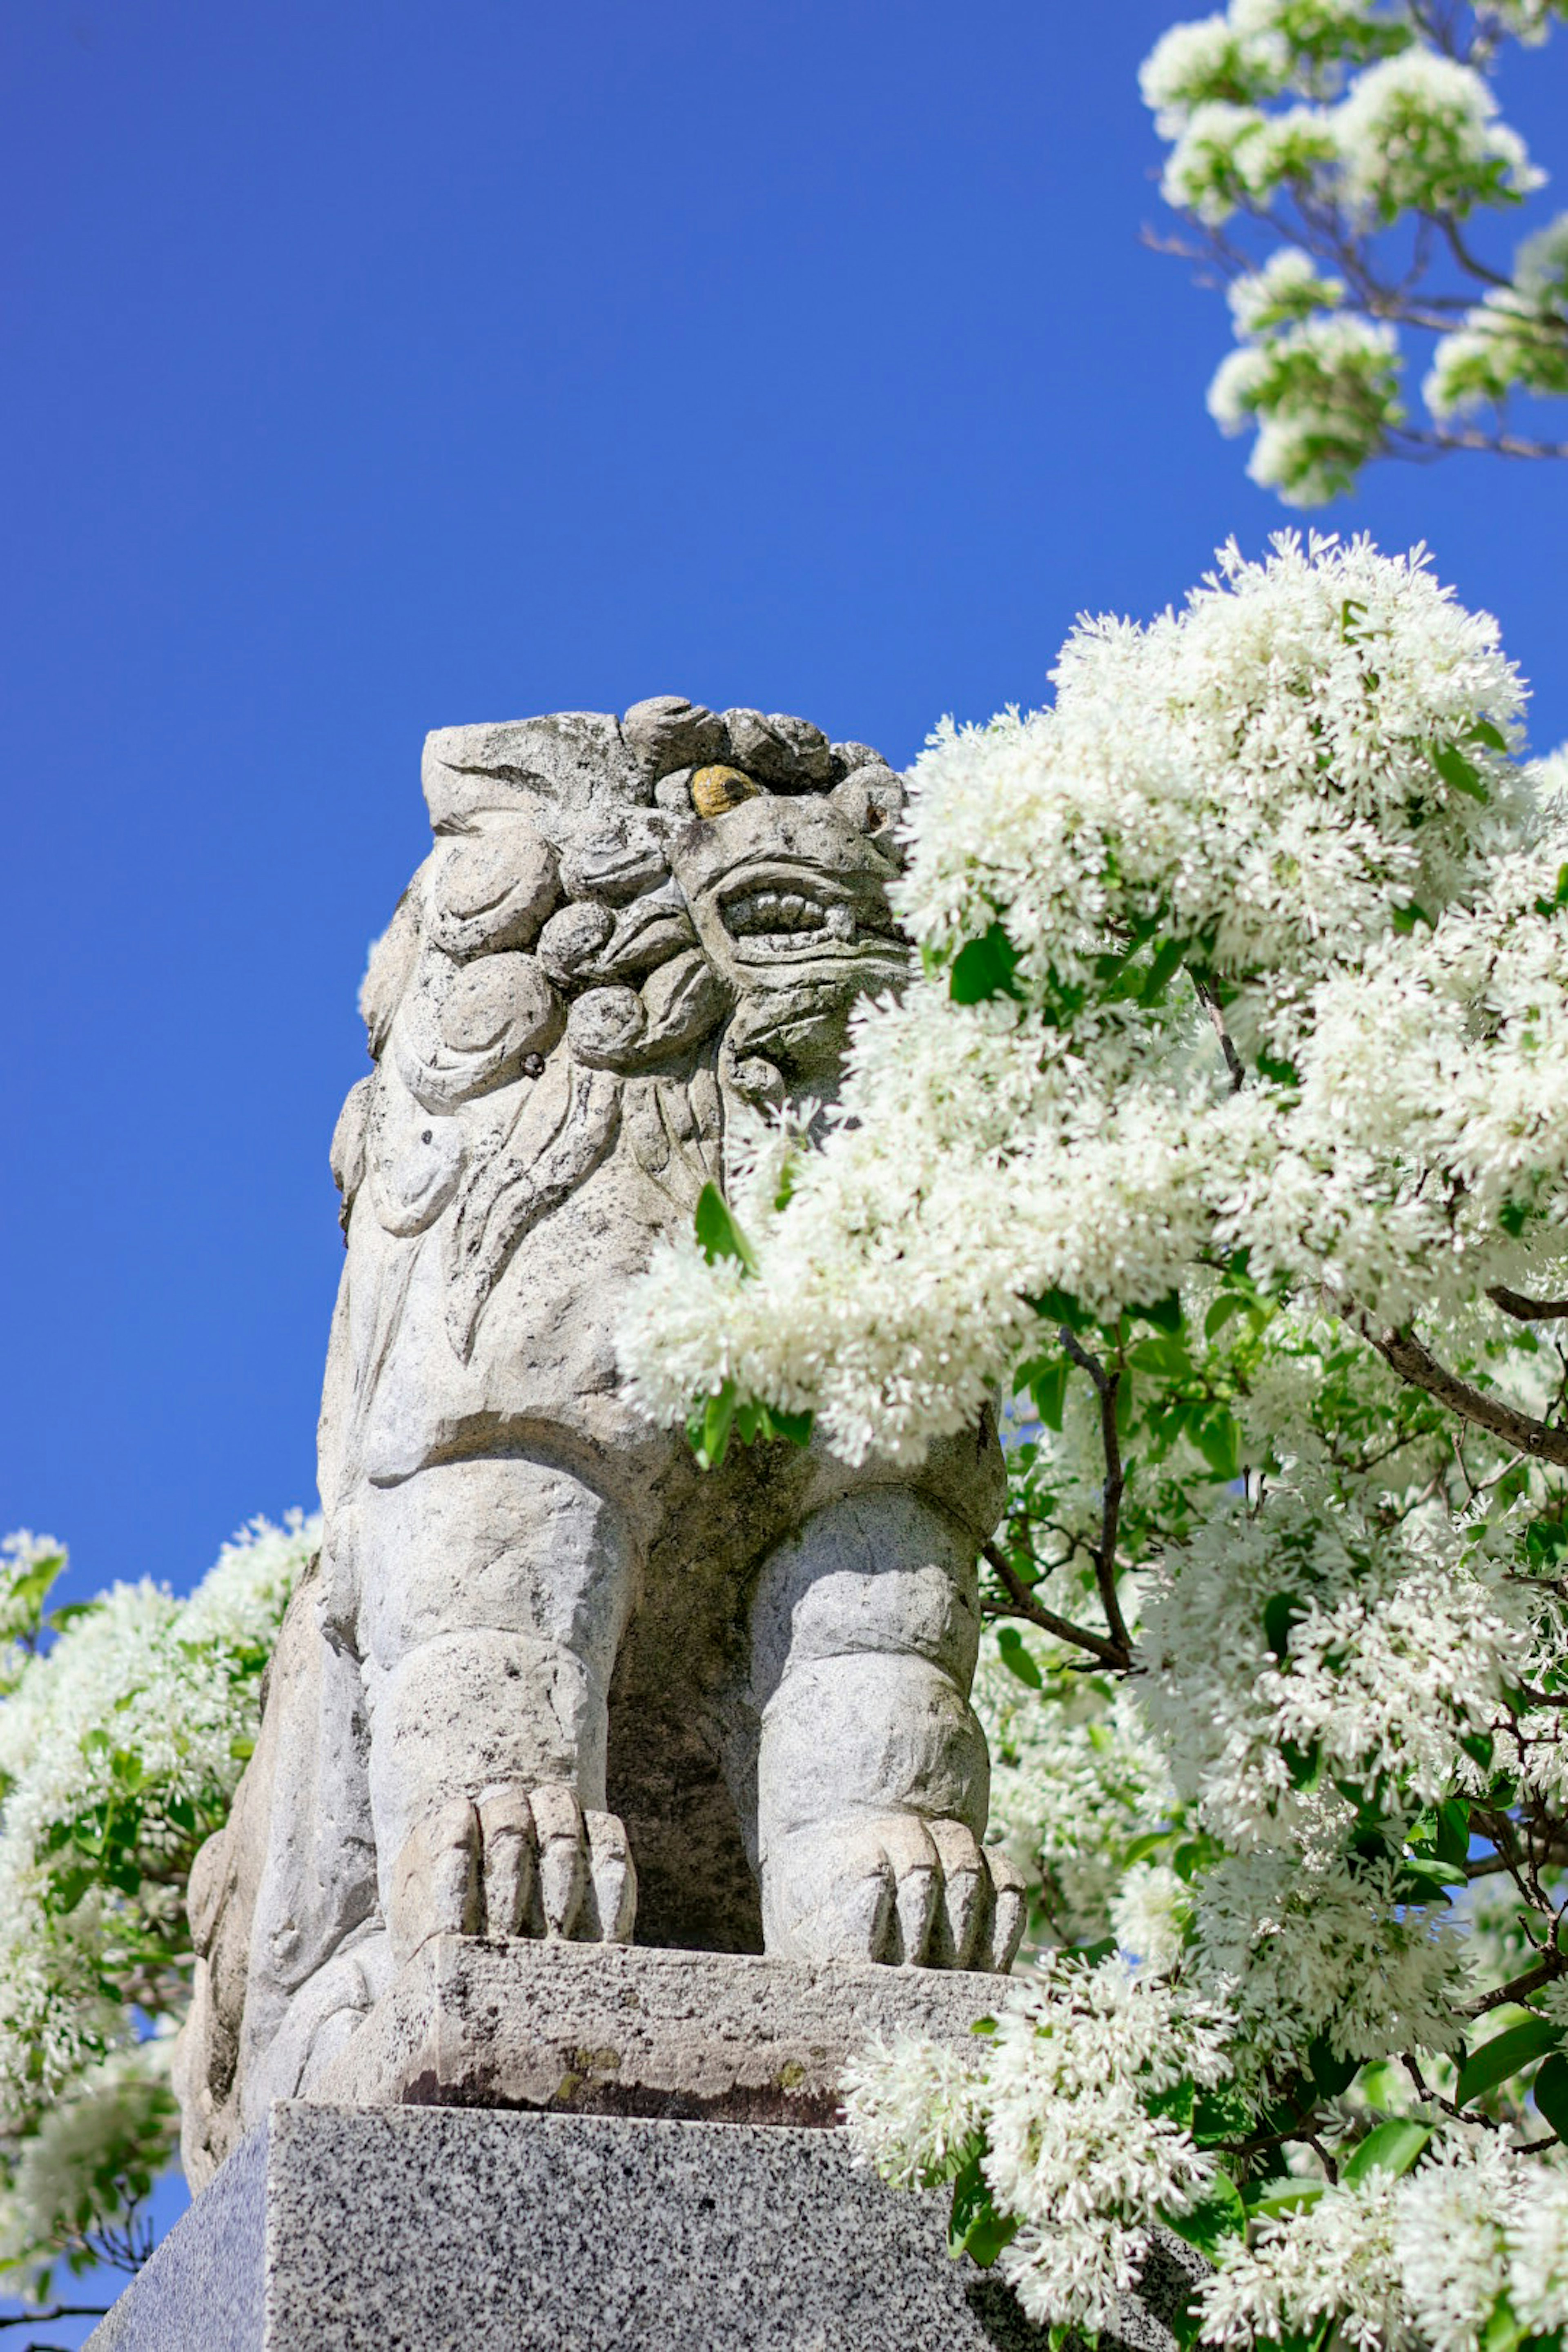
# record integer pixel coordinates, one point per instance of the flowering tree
(1335, 159)
(1226, 1128)
(125, 1725)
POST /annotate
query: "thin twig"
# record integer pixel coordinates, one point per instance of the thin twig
(1106, 1384)
(1061, 1629)
(56, 2311)
(1211, 1005)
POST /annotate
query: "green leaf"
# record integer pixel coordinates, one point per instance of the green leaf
(1281, 1073)
(1504, 2054)
(1059, 1306)
(1550, 2092)
(1175, 2105)
(1405, 919)
(1270, 2198)
(1218, 1440)
(717, 1231)
(1332, 2074)
(1483, 731)
(1221, 2115)
(975, 2228)
(1219, 1314)
(1049, 1389)
(1167, 962)
(1207, 2225)
(1165, 1314)
(1453, 1838)
(1393, 2148)
(708, 1431)
(984, 969)
(794, 1428)
(1016, 1658)
(1457, 773)
(1280, 1612)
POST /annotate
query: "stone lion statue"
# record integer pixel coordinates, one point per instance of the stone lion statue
(548, 1677)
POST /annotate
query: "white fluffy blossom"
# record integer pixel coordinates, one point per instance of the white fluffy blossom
(1422, 2260)
(1333, 1950)
(1287, 288)
(915, 2109)
(1388, 1650)
(1072, 2152)
(1421, 131)
(1252, 783)
(121, 1739)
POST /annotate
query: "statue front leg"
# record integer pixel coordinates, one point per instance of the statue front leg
(493, 1596)
(872, 1774)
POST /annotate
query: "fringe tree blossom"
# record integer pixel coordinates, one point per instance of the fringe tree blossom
(1223, 1129)
(124, 1727)
(1322, 146)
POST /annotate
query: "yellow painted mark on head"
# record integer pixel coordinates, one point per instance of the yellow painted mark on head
(714, 790)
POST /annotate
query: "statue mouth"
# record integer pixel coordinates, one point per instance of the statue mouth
(783, 913)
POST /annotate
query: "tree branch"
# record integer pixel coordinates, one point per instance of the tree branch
(1407, 1355)
(1106, 1384)
(1528, 1980)
(1526, 1311)
(56, 2311)
(1211, 1005)
(1061, 1629)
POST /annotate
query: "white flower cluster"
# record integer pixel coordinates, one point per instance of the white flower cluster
(1327, 123)
(121, 1739)
(1516, 338)
(1420, 132)
(1265, 786)
(1425, 2260)
(1394, 1647)
(1061, 2099)
(1332, 1948)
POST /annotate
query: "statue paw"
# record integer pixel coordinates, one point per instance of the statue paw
(520, 1862)
(897, 1888)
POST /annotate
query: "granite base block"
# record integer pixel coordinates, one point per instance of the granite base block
(439, 2230)
(722, 2037)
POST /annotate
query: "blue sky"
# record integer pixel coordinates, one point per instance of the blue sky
(377, 367)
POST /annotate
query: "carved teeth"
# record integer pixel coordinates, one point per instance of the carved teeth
(777, 917)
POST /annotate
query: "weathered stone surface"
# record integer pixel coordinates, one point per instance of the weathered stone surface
(727, 2036)
(420, 2229)
(550, 1680)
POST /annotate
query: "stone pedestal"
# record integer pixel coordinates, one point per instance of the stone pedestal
(557, 2147)
(430, 2230)
(721, 2037)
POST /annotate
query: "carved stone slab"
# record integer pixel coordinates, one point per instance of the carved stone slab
(425, 2230)
(593, 2029)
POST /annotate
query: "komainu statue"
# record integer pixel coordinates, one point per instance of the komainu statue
(549, 1677)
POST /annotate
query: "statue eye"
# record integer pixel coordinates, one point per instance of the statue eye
(714, 790)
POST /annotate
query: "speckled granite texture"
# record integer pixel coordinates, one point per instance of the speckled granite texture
(205, 2284)
(725, 2037)
(438, 2230)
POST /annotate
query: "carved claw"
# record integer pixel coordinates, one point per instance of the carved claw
(898, 1889)
(1009, 1908)
(436, 1879)
(553, 1866)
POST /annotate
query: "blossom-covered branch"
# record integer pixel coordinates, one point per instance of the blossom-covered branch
(1333, 158)
(125, 1725)
(1236, 1057)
